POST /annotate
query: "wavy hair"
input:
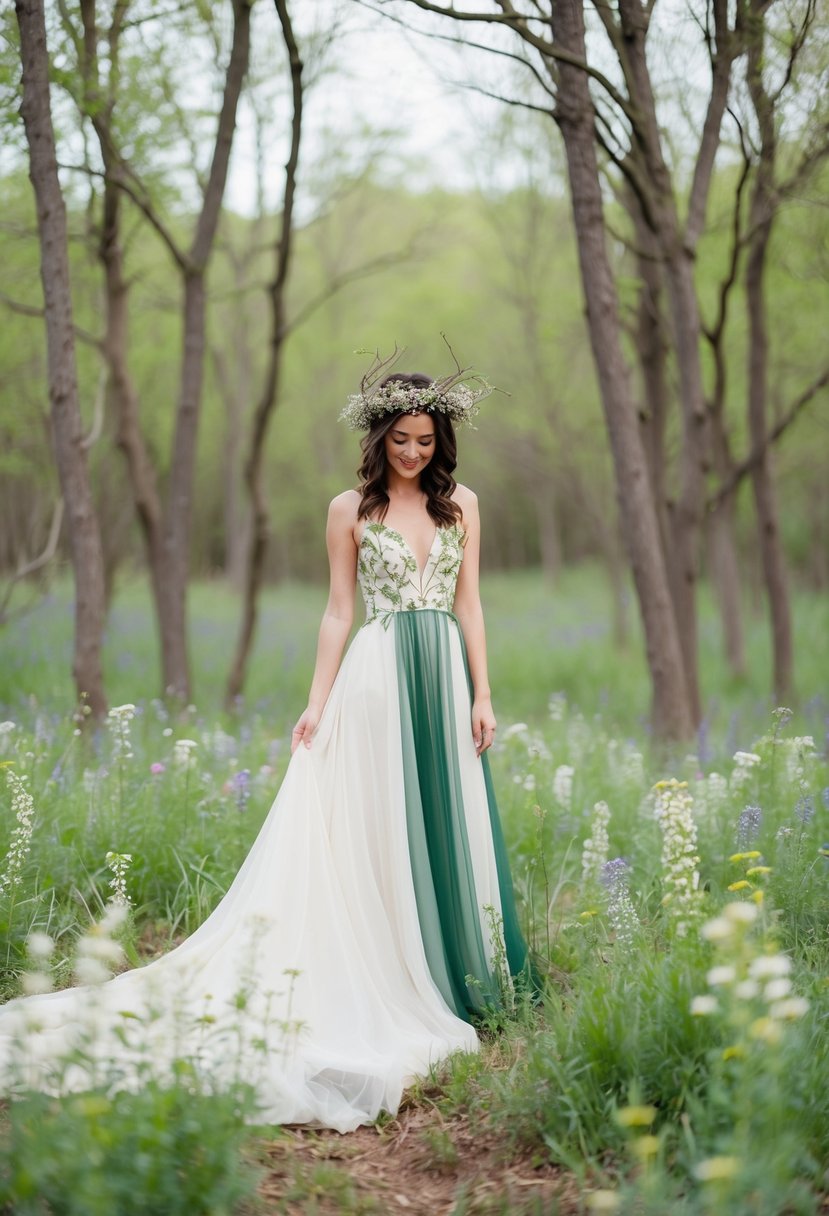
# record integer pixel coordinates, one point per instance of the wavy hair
(436, 480)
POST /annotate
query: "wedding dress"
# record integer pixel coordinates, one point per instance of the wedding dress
(372, 916)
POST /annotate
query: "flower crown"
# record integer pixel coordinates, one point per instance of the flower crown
(456, 396)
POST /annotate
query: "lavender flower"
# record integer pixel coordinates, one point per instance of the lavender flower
(748, 826)
(241, 786)
(805, 809)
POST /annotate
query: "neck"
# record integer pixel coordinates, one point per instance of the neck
(403, 487)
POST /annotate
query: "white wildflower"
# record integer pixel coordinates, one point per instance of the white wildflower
(776, 990)
(557, 706)
(740, 912)
(680, 877)
(717, 930)
(115, 915)
(794, 1007)
(746, 990)
(702, 1006)
(746, 759)
(724, 974)
(39, 945)
(563, 785)
(23, 808)
(596, 846)
(91, 971)
(183, 752)
(620, 910)
(36, 983)
(769, 966)
(119, 863)
(118, 721)
(517, 728)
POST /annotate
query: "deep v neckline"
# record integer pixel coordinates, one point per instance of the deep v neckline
(420, 570)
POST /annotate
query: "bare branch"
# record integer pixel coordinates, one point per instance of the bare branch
(31, 310)
(754, 457)
(36, 563)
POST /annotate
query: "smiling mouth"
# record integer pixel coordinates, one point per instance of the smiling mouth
(409, 464)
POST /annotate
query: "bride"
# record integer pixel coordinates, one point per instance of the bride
(374, 914)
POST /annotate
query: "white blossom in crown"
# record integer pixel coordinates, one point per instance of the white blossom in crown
(457, 395)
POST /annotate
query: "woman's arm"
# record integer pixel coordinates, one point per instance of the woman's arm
(469, 612)
(339, 612)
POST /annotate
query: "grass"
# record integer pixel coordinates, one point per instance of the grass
(735, 1099)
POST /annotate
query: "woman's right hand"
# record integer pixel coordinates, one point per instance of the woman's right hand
(304, 730)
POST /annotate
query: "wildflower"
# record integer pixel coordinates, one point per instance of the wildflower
(775, 990)
(595, 848)
(766, 1029)
(805, 809)
(735, 1052)
(563, 785)
(787, 1010)
(645, 1147)
(23, 807)
(724, 974)
(758, 870)
(635, 1116)
(702, 1006)
(620, 909)
(115, 915)
(717, 930)
(746, 759)
(824, 795)
(517, 728)
(157, 768)
(183, 752)
(748, 826)
(118, 721)
(119, 863)
(557, 706)
(782, 715)
(529, 783)
(36, 983)
(241, 785)
(769, 966)
(742, 885)
(757, 896)
(679, 850)
(740, 913)
(603, 1201)
(98, 946)
(91, 971)
(751, 855)
(746, 990)
(39, 945)
(717, 1169)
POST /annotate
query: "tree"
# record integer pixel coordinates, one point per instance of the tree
(166, 527)
(67, 431)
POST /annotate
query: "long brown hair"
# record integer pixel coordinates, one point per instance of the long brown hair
(436, 480)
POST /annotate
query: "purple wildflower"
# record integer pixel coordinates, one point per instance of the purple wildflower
(157, 768)
(748, 826)
(805, 809)
(241, 787)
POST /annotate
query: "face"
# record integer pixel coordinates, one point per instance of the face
(410, 444)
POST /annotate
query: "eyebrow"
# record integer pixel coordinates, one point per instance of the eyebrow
(405, 434)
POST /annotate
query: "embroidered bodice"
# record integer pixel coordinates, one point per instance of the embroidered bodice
(391, 580)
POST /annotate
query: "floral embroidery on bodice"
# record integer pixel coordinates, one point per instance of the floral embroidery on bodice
(391, 580)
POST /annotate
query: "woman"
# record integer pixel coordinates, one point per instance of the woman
(374, 914)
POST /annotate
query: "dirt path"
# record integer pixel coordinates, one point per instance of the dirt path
(418, 1165)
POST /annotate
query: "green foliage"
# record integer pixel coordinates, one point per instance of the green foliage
(165, 1149)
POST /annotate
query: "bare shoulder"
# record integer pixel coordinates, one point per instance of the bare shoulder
(467, 500)
(342, 510)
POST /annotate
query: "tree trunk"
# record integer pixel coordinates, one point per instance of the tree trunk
(672, 711)
(67, 429)
(761, 216)
(725, 573)
(261, 419)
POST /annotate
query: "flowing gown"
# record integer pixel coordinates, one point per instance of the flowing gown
(372, 917)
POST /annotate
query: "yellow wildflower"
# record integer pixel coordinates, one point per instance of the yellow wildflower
(717, 1169)
(752, 855)
(735, 1052)
(635, 1116)
(766, 1029)
(742, 885)
(757, 896)
(759, 870)
(645, 1146)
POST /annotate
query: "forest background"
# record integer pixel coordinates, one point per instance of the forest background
(369, 247)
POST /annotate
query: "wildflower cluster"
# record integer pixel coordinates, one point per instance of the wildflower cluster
(97, 951)
(23, 807)
(755, 870)
(745, 977)
(748, 826)
(595, 848)
(183, 752)
(118, 721)
(119, 863)
(563, 785)
(460, 402)
(39, 950)
(620, 909)
(679, 850)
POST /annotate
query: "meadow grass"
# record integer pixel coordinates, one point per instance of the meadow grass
(661, 1087)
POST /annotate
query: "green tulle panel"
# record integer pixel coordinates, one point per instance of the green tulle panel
(448, 911)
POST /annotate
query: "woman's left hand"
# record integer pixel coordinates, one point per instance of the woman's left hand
(483, 724)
